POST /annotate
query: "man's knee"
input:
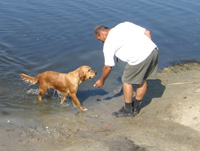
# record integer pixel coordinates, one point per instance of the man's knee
(143, 84)
(141, 90)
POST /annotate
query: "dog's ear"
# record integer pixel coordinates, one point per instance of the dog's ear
(82, 76)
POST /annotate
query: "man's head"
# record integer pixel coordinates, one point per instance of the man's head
(101, 32)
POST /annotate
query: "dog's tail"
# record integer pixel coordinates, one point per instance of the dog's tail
(29, 79)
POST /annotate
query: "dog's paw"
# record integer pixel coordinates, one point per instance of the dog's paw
(84, 109)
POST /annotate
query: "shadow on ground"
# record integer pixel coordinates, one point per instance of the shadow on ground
(155, 90)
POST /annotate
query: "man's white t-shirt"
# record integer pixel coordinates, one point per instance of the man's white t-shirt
(127, 42)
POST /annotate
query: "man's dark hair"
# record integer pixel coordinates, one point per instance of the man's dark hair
(99, 28)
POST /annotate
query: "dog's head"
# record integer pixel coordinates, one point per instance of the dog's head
(85, 73)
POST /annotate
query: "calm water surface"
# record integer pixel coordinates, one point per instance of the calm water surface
(36, 36)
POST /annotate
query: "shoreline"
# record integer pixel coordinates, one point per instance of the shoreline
(168, 121)
(184, 65)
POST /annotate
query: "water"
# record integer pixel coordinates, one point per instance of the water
(36, 36)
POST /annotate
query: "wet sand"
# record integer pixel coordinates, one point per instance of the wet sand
(168, 121)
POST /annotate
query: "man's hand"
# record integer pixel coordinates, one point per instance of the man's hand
(106, 72)
(99, 84)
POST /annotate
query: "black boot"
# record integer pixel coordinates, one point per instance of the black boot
(136, 107)
(123, 112)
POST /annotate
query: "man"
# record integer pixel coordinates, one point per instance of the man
(132, 44)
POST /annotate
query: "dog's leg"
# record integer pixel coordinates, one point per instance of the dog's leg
(63, 99)
(42, 92)
(77, 102)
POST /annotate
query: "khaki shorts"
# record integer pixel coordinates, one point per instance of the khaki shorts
(135, 74)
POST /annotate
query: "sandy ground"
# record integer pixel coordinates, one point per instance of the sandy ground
(168, 121)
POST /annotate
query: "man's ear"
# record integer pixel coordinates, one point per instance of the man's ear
(101, 33)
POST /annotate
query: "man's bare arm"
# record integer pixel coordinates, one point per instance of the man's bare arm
(148, 33)
(105, 73)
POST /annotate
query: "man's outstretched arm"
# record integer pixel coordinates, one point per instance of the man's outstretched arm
(105, 73)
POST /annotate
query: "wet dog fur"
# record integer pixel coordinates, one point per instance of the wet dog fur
(64, 83)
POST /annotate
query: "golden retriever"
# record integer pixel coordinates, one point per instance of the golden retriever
(64, 83)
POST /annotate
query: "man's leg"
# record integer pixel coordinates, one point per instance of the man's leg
(128, 98)
(140, 92)
(128, 92)
(128, 95)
